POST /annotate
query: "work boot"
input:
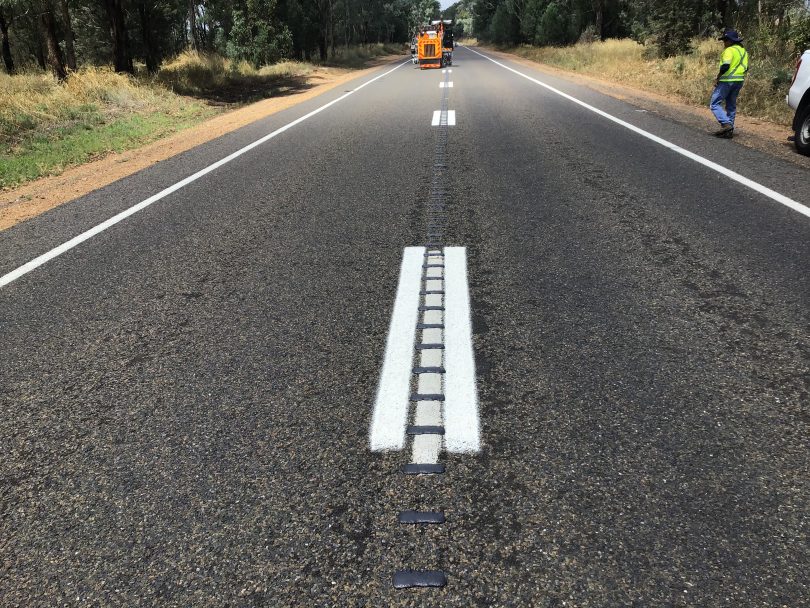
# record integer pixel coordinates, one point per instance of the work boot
(726, 131)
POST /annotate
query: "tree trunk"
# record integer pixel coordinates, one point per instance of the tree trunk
(118, 33)
(8, 60)
(192, 25)
(40, 52)
(47, 29)
(332, 27)
(599, 15)
(70, 36)
(150, 57)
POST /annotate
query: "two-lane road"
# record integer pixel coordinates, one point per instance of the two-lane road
(186, 396)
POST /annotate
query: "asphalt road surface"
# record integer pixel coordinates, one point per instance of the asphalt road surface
(186, 396)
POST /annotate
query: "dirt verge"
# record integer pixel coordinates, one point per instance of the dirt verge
(34, 198)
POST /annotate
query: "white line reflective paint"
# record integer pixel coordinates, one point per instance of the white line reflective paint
(446, 85)
(77, 240)
(741, 179)
(441, 118)
(461, 422)
(393, 393)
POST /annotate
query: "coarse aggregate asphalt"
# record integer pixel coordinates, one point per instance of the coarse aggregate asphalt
(185, 398)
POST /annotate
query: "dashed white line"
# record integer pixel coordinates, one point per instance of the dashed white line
(446, 85)
(393, 395)
(733, 175)
(88, 234)
(461, 422)
(443, 117)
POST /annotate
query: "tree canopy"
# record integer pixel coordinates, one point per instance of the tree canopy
(63, 34)
(668, 25)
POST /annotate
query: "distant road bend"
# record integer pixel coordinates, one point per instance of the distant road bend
(478, 336)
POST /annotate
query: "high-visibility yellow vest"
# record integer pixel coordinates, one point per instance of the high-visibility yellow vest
(737, 59)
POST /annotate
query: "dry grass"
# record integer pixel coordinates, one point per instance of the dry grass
(37, 101)
(46, 126)
(689, 78)
(193, 73)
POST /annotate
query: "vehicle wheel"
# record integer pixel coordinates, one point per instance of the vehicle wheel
(802, 140)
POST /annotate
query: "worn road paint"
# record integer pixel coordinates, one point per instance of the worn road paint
(88, 234)
(423, 469)
(461, 422)
(392, 403)
(733, 175)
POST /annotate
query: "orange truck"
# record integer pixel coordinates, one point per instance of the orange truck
(434, 45)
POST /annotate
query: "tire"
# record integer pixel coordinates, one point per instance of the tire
(802, 139)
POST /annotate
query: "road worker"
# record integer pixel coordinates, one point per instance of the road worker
(729, 81)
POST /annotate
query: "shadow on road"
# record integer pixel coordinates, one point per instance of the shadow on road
(240, 92)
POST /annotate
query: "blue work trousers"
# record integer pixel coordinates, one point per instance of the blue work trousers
(725, 93)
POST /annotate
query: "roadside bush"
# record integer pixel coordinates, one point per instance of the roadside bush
(800, 33)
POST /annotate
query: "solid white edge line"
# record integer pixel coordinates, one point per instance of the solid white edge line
(461, 421)
(68, 245)
(391, 405)
(741, 179)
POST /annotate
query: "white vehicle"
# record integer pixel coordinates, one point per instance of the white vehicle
(799, 99)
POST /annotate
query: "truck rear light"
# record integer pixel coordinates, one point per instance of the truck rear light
(796, 72)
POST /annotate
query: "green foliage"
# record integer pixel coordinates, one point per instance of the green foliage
(505, 28)
(672, 27)
(257, 36)
(554, 26)
(799, 33)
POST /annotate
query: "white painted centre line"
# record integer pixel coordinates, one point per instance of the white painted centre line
(393, 393)
(733, 175)
(88, 234)
(443, 118)
(446, 85)
(461, 421)
(450, 313)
